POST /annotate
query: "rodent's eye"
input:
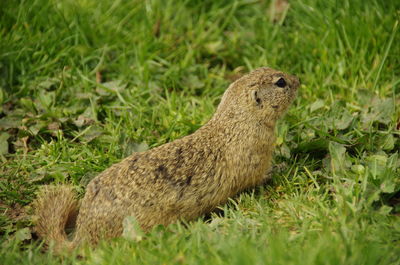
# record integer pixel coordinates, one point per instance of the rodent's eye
(281, 82)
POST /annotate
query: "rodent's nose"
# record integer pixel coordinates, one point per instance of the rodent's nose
(295, 82)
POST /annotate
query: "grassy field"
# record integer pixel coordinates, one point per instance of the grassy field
(85, 83)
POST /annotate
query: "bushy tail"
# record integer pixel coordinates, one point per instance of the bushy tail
(53, 208)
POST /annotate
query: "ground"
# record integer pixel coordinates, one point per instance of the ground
(85, 83)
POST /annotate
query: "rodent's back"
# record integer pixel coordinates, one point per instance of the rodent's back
(155, 187)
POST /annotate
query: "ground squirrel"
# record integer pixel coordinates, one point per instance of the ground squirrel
(182, 179)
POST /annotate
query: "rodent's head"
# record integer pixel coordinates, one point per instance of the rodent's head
(264, 93)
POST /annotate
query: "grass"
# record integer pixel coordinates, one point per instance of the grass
(85, 83)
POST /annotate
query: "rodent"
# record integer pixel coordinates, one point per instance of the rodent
(183, 179)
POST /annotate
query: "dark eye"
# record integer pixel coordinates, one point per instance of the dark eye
(281, 82)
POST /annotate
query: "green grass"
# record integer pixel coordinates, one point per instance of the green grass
(163, 66)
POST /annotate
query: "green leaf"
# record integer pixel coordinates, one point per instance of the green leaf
(28, 104)
(35, 129)
(385, 210)
(2, 97)
(111, 87)
(132, 230)
(48, 83)
(83, 121)
(194, 82)
(140, 147)
(284, 151)
(317, 105)
(4, 143)
(214, 47)
(388, 186)
(381, 111)
(387, 142)
(92, 133)
(338, 157)
(394, 161)
(376, 165)
(359, 169)
(23, 234)
(9, 122)
(344, 121)
(46, 99)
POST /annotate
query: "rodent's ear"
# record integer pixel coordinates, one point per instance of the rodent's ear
(256, 98)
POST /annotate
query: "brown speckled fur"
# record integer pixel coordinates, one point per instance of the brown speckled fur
(182, 179)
